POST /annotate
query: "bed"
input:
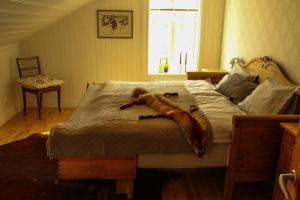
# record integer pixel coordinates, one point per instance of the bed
(97, 160)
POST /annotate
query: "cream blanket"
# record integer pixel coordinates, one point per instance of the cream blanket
(98, 127)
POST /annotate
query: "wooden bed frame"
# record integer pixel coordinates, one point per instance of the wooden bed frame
(254, 148)
(121, 168)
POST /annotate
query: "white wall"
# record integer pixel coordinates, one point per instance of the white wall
(211, 33)
(69, 49)
(19, 19)
(263, 28)
(10, 99)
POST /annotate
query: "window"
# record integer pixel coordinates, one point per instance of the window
(174, 35)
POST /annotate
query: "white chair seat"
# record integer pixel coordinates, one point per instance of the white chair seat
(39, 82)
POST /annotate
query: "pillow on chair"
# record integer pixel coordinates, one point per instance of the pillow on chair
(39, 82)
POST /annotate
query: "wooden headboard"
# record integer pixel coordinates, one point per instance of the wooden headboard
(266, 68)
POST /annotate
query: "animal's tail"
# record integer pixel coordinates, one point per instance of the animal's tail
(138, 91)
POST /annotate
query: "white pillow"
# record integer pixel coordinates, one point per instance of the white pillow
(269, 97)
(224, 79)
(248, 75)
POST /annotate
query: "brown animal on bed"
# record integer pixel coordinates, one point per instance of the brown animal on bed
(193, 129)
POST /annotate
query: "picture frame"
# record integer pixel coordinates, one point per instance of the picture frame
(115, 23)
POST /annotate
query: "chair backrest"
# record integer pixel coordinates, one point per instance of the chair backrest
(28, 66)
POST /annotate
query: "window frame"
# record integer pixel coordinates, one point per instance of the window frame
(147, 40)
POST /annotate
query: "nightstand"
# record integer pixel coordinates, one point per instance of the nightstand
(287, 146)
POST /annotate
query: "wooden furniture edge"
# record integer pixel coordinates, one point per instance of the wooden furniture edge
(25, 59)
(266, 68)
(291, 127)
(263, 118)
(261, 130)
(297, 111)
(214, 76)
(121, 168)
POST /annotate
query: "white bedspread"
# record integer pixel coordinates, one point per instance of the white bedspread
(217, 108)
(98, 127)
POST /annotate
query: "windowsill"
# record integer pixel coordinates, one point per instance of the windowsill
(168, 74)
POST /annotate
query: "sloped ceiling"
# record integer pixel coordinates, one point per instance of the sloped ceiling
(21, 18)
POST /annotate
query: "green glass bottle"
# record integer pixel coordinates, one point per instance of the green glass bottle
(166, 66)
(160, 67)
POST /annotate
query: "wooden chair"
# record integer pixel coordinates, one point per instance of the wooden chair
(32, 81)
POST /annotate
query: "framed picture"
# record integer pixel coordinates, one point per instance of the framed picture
(115, 23)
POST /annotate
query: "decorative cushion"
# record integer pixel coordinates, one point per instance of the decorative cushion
(225, 78)
(236, 87)
(248, 75)
(269, 97)
(39, 82)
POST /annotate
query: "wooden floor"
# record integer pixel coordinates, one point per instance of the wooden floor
(21, 125)
(200, 184)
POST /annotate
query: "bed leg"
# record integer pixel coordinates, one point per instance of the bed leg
(229, 185)
(125, 186)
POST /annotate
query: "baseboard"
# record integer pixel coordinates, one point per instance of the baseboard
(5, 116)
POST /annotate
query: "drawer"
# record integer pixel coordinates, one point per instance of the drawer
(97, 167)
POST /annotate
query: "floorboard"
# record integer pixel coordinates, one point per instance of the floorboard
(196, 184)
(21, 126)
